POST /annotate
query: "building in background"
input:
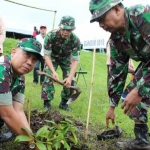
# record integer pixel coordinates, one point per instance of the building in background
(17, 33)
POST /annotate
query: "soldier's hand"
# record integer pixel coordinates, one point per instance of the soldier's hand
(110, 116)
(55, 75)
(67, 82)
(131, 100)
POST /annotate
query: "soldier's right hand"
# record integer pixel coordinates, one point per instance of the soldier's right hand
(110, 116)
(55, 75)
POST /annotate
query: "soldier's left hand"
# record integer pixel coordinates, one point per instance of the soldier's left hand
(67, 82)
(131, 101)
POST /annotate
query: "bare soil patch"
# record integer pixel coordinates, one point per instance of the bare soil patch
(38, 120)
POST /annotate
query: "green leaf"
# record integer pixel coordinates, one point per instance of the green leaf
(49, 147)
(66, 145)
(51, 134)
(42, 131)
(67, 120)
(65, 130)
(41, 146)
(53, 122)
(51, 139)
(23, 138)
(73, 140)
(75, 137)
(57, 144)
(26, 129)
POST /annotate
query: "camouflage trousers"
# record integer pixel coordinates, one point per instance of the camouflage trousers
(140, 112)
(48, 89)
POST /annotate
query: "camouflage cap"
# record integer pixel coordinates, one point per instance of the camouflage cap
(100, 7)
(31, 45)
(67, 22)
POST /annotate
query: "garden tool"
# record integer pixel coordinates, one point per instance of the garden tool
(76, 91)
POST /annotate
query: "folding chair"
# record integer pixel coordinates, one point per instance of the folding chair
(80, 72)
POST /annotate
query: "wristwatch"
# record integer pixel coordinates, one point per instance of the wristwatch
(32, 146)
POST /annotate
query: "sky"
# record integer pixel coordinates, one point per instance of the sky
(25, 18)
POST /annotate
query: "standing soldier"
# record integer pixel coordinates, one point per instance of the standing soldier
(130, 38)
(61, 48)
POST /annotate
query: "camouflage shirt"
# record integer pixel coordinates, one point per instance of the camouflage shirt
(11, 89)
(135, 44)
(56, 46)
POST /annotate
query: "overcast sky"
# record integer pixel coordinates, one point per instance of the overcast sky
(25, 18)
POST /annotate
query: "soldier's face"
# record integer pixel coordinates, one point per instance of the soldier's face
(22, 62)
(113, 20)
(65, 33)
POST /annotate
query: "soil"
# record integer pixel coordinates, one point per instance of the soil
(38, 120)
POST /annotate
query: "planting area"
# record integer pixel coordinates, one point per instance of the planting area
(78, 115)
(39, 120)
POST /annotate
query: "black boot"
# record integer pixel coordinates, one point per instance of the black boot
(4, 137)
(47, 104)
(141, 139)
(64, 106)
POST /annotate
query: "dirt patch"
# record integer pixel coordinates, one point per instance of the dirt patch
(38, 120)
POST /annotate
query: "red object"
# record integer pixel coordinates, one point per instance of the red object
(34, 33)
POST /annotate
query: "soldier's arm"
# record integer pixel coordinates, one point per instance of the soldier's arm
(48, 51)
(117, 75)
(20, 111)
(49, 63)
(75, 57)
(144, 25)
(12, 119)
(74, 65)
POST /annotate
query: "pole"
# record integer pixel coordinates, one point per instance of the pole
(54, 20)
(90, 98)
(30, 6)
(28, 111)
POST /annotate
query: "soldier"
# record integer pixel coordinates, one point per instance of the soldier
(12, 82)
(130, 38)
(61, 48)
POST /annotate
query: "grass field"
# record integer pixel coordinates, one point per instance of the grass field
(100, 100)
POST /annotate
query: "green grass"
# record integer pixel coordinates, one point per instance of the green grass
(100, 100)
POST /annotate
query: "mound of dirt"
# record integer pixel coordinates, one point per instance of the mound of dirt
(37, 120)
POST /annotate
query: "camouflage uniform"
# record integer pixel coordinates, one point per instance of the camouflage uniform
(61, 52)
(134, 44)
(11, 88)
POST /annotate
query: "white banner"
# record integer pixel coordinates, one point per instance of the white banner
(94, 43)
